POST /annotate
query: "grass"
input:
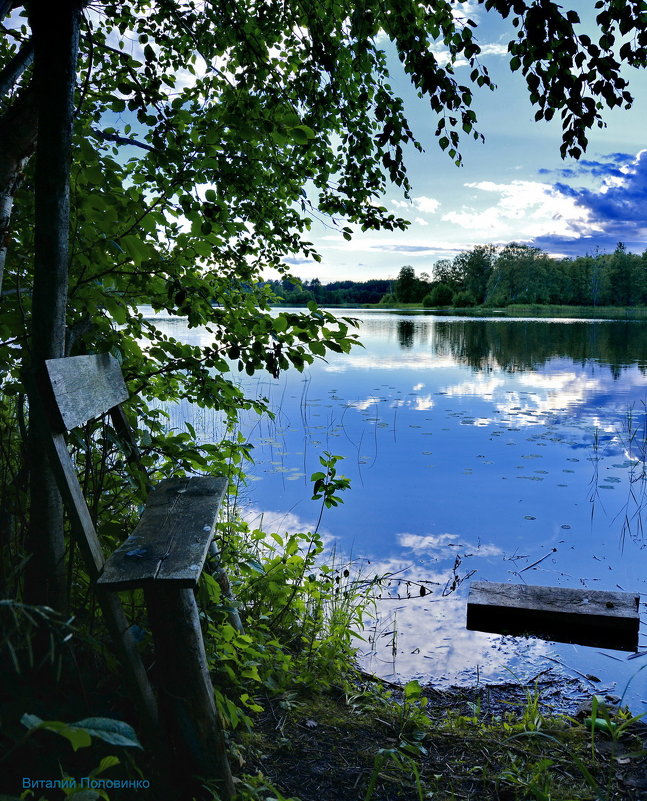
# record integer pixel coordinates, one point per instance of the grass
(377, 744)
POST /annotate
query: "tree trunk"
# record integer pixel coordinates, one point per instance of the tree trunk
(55, 29)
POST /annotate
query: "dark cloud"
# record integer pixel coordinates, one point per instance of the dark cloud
(609, 167)
(565, 172)
(414, 249)
(624, 158)
(295, 261)
(619, 211)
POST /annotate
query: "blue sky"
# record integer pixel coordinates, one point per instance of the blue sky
(514, 187)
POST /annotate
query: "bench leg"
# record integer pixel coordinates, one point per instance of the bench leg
(186, 692)
(136, 676)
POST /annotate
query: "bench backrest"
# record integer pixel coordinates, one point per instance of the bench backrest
(72, 391)
(83, 387)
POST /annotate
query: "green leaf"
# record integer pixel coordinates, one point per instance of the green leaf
(280, 323)
(115, 732)
(77, 737)
(135, 248)
(115, 309)
(106, 762)
(301, 134)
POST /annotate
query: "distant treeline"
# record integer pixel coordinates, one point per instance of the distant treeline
(493, 276)
(335, 293)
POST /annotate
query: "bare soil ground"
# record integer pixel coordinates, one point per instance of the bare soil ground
(498, 742)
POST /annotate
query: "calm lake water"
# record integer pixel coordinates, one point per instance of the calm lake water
(501, 450)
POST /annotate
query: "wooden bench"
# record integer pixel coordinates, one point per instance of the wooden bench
(164, 556)
(574, 615)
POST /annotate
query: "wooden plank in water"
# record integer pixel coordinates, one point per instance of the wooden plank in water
(585, 617)
(170, 542)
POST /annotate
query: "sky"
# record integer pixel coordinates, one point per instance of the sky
(513, 187)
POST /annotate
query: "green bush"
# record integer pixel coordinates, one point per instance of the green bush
(440, 295)
(463, 299)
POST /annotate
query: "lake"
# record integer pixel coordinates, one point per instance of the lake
(490, 449)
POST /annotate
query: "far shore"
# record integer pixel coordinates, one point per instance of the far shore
(514, 310)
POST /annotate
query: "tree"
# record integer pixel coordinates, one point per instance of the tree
(204, 138)
(625, 277)
(406, 285)
(522, 274)
(55, 38)
(450, 273)
(476, 267)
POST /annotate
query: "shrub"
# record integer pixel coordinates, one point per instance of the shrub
(440, 295)
(463, 299)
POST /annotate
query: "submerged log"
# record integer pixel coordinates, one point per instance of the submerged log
(584, 617)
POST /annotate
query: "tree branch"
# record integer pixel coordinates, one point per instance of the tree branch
(15, 68)
(122, 140)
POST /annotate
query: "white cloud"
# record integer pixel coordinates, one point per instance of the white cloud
(420, 221)
(423, 403)
(443, 545)
(427, 205)
(479, 387)
(524, 210)
(364, 404)
(432, 640)
(283, 523)
(466, 9)
(277, 522)
(443, 56)
(494, 50)
(424, 204)
(416, 359)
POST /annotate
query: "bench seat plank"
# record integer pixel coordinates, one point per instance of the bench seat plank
(575, 615)
(171, 540)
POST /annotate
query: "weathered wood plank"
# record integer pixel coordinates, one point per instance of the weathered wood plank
(84, 387)
(171, 540)
(573, 615)
(186, 693)
(70, 489)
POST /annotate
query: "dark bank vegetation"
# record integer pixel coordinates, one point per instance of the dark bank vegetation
(169, 153)
(516, 276)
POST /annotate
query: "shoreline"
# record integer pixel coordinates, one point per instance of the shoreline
(513, 311)
(381, 741)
